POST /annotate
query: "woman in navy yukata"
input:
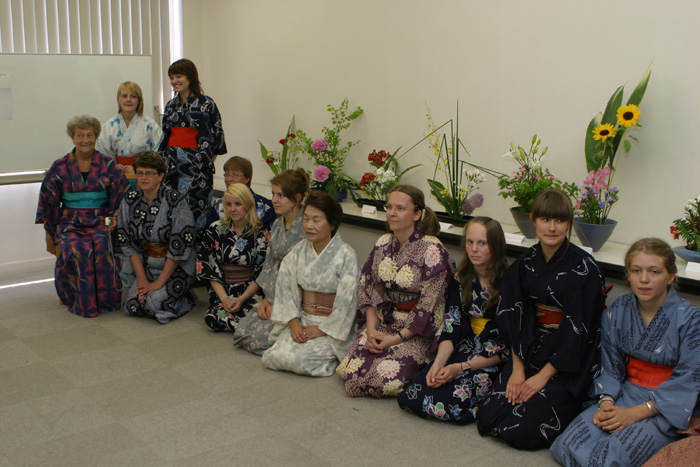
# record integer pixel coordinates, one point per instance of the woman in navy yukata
(470, 352)
(552, 298)
(649, 382)
(192, 138)
(78, 200)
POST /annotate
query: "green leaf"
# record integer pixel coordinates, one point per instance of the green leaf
(628, 146)
(638, 93)
(610, 114)
(592, 163)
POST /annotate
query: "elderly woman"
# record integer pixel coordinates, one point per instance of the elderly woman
(129, 132)
(156, 235)
(230, 258)
(77, 202)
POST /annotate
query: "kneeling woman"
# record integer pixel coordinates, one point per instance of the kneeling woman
(230, 257)
(156, 235)
(469, 354)
(648, 385)
(552, 298)
(315, 299)
(401, 299)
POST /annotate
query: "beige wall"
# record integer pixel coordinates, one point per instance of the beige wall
(517, 68)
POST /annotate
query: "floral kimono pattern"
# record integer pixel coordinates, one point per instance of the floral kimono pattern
(191, 170)
(253, 333)
(458, 400)
(334, 270)
(168, 220)
(671, 339)
(221, 246)
(124, 143)
(417, 272)
(87, 275)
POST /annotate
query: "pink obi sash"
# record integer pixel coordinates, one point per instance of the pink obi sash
(155, 250)
(317, 303)
(235, 274)
(183, 137)
(647, 374)
(548, 317)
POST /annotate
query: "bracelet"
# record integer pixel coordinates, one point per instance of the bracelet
(403, 339)
(651, 410)
(461, 366)
(604, 398)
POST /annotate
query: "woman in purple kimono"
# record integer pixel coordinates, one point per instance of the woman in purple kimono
(192, 138)
(470, 352)
(552, 298)
(78, 200)
(401, 300)
(649, 381)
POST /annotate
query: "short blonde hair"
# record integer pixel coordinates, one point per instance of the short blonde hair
(81, 122)
(243, 193)
(134, 89)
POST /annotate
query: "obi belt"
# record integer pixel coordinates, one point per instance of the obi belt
(548, 317)
(647, 374)
(478, 324)
(126, 160)
(85, 199)
(155, 250)
(403, 301)
(236, 274)
(183, 137)
(317, 303)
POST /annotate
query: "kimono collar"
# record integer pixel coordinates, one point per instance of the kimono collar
(559, 254)
(332, 247)
(415, 236)
(671, 302)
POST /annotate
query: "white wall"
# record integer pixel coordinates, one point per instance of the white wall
(517, 68)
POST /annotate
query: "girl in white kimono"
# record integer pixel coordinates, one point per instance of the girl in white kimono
(315, 297)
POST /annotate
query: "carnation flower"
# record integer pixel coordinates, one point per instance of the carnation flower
(319, 145)
(321, 172)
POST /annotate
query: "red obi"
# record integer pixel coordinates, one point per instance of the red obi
(647, 374)
(406, 306)
(183, 137)
(549, 317)
(317, 303)
(155, 250)
(126, 160)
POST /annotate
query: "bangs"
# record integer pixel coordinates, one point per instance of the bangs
(553, 204)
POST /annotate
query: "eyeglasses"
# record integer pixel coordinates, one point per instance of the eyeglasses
(150, 173)
(234, 175)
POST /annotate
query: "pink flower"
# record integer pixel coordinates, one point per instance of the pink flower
(321, 172)
(319, 145)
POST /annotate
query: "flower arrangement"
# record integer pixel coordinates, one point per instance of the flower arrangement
(688, 226)
(604, 135)
(377, 185)
(281, 160)
(531, 177)
(328, 154)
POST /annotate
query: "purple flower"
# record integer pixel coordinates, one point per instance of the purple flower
(473, 202)
(321, 172)
(319, 145)
(601, 204)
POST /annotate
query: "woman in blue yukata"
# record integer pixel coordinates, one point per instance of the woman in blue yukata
(649, 382)
(471, 349)
(552, 298)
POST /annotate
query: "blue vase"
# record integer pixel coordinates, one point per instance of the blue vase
(686, 254)
(593, 235)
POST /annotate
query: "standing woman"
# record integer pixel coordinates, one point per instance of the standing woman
(78, 200)
(192, 138)
(316, 296)
(552, 298)
(129, 132)
(230, 257)
(470, 349)
(401, 298)
(289, 189)
(648, 385)
(156, 235)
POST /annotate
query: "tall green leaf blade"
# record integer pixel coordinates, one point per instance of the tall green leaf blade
(638, 93)
(590, 143)
(610, 114)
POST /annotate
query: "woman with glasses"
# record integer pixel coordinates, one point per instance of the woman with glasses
(401, 300)
(156, 235)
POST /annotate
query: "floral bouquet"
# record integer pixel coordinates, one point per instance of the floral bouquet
(531, 177)
(688, 226)
(281, 160)
(377, 185)
(604, 134)
(328, 154)
(594, 197)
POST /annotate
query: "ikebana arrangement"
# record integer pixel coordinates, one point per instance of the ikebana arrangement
(687, 228)
(285, 159)
(387, 173)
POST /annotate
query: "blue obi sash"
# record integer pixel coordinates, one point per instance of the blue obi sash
(85, 199)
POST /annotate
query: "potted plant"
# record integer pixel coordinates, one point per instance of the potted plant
(606, 132)
(687, 228)
(377, 184)
(281, 160)
(522, 185)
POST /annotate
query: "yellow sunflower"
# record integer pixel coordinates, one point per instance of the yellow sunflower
(628, 115)
(603, 132)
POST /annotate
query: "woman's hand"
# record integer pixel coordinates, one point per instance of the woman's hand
(532, 386)
(144, 288)
(231, 305)
(377, 341)
(514, 386)
(312, 332)
(447, 374)
(430, 378)
(612, 418)
(50, 244)
(128, 169)
(264, 310)
(297, 331)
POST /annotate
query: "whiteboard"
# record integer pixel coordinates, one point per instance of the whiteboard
(46, 91)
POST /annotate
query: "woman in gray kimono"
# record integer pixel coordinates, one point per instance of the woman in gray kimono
(156, 235)
(288, 191)
(316, 296)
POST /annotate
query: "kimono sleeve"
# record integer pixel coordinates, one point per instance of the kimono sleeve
(169, 109)
(48, 208)
(455, 318)
(119, 186)
(510, 307)
(209, 255)
(367, 293)
(259, 252)
(182, 232)
(287, 292)
(125, 236)
(104, 142)
(217, 130)
(339, 322)
(612, 359)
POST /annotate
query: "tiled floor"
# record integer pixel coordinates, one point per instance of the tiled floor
(115, 390)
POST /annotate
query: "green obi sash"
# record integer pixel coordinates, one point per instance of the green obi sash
(85, 199)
